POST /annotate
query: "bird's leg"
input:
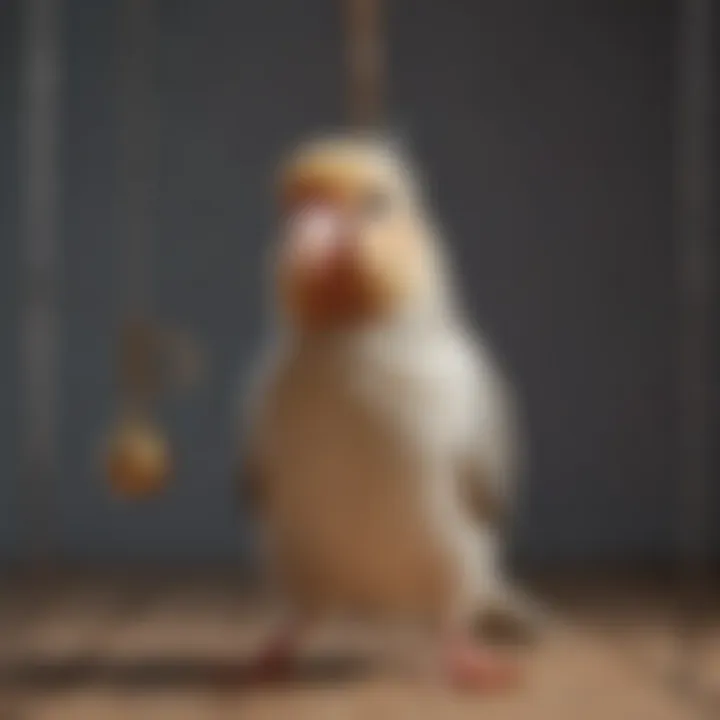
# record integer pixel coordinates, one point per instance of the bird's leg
(276, 658)
(510, 614)
(465, 664)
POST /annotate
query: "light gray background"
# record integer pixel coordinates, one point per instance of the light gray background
(545, 128)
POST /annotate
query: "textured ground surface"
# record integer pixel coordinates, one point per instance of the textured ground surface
(160, 649)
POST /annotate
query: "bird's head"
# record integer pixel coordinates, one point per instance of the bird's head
(355, 246)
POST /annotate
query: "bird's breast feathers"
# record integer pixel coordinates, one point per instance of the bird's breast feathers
(430, 393)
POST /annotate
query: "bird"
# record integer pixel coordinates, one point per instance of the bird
(379, 444)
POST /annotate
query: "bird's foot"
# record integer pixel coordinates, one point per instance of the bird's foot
(469, 666)
(276, 660)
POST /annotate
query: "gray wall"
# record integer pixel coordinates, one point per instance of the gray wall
(9, 299)
(546, 131)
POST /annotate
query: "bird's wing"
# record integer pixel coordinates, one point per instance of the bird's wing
(492, 456)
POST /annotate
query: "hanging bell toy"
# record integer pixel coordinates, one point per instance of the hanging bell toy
(138, 457)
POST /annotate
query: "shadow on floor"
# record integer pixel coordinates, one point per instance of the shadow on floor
(154, 673)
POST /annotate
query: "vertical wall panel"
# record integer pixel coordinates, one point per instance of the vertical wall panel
(9, 289)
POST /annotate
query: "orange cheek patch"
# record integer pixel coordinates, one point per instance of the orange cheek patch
(391, 264)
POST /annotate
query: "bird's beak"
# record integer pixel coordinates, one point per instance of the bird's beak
(321, 274)
(317, 240)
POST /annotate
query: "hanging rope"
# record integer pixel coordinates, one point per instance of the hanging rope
(139, 456)
(138, 158)
(366, 62)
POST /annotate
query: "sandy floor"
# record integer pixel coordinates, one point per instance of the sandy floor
(121, 649)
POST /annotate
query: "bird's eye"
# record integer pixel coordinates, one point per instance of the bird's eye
(376, 205)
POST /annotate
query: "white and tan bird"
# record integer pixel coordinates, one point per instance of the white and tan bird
(380, 446)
